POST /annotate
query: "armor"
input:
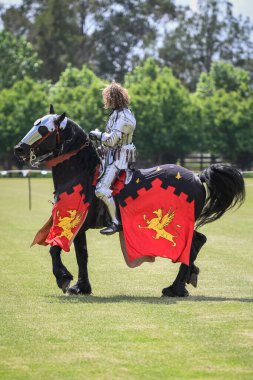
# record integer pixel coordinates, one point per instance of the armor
(41, 128)
(47, 121)
(119, 153)
(118, 138)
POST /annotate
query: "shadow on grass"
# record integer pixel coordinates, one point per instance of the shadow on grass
(112, 299)
(216, 299)
(145, 300)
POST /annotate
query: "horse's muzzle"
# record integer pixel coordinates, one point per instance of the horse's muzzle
(22, 151)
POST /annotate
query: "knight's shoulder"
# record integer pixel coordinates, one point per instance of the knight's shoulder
(124, 112)
(128, 111)
(113, 114)
(128, 116)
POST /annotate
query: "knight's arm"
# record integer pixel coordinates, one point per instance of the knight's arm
(124, 125)
(108, 139)
(111, 139)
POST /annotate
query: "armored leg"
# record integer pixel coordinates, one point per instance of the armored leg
(104, 192)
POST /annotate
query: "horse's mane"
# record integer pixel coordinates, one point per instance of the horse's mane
(73, 137)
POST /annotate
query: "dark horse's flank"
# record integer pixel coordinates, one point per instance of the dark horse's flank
(75, 158)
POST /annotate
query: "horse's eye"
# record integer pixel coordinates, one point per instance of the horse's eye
(43, 131)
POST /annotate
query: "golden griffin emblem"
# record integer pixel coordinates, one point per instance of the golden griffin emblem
(68, 223)
(159, 223)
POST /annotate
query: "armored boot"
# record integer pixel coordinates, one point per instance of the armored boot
(115, 225)
(104, 192)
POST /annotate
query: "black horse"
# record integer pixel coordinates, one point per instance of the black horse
(73, 157)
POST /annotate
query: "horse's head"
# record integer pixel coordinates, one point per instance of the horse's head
(50, 136)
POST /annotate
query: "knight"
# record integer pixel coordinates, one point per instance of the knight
(118, 149)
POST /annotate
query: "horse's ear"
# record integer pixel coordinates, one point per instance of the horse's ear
(51, 110)
(60, 118)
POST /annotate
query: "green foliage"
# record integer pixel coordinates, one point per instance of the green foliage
(55, 29)
(171, 123)
(56, 36)
(18, 59)
(78, 92)
(20, 106)
(120, 28)
(227, 77)
(109, 35)
(226, 100)
(164, 113)
(113, 36)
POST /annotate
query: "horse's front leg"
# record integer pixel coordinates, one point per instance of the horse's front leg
(83, 284)
(187, 274)
(62, 275)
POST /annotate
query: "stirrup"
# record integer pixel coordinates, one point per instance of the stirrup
(112, 229)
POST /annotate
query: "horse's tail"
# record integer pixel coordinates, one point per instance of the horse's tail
(226, 189)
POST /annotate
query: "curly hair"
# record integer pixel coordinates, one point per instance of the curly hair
(115, 96)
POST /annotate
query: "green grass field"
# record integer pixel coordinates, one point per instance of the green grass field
(125, 330)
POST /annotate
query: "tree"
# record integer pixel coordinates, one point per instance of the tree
(226, 99)
(164, 112)
(15, 20)
(18, 59)
(109, 35)
(200, 38)
(124, 30)
(20, 106)
(78, 92)
(52, 27)
(227, 77)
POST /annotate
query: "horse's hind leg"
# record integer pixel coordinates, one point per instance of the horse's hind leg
(83, 284)
(178, 288)
(62, 275)
(193, 271)
(192, 275)
(187, 274)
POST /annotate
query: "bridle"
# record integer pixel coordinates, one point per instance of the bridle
(36, 161)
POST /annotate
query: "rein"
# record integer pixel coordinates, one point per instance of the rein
(58, 160)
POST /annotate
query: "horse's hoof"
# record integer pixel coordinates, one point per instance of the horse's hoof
(193, 277)
(77, 290)
(194, 280)
(63, 277)
(65, 286)
(171, 292)
(64, 281)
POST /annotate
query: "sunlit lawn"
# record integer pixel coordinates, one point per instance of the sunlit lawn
(125, 330)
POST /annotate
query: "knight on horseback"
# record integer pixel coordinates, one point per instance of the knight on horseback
(174, 194)
(118, 149)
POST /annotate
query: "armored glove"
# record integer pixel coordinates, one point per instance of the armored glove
(95, 135)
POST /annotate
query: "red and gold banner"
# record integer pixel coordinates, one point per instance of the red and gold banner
(68, 214)
(158, 223)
